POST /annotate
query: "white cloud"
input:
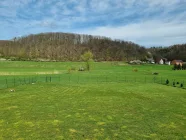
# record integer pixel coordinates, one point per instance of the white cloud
(164, 3)
(9, 7)
(147, 22)
(145, 33)
(100, 6)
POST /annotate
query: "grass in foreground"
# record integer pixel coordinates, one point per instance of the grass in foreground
(93, 111)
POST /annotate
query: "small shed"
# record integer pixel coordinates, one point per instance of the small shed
(160, 61)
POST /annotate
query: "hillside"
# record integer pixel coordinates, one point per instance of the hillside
(69, 47)
(173, 52)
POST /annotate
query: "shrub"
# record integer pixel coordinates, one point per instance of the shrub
(173, 84)
(181, 85)
(175, 67)
(73, 68)
(167, 82)
(184, 66)
(179, 67)
(135, 70)
(69, 71)
(177, 83)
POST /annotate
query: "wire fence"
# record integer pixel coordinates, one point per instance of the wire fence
(82, 79)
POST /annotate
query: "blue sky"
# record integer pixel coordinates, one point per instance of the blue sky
(146, 22)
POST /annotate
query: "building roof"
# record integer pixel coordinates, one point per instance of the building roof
(159, 59)
(150, 59)
(178, 61)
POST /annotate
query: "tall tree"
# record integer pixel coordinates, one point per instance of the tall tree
(87, 57)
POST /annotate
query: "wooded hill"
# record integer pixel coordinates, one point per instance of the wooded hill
(171, 53)
(70, 47)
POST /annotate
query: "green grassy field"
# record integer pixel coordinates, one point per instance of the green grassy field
(112, 101)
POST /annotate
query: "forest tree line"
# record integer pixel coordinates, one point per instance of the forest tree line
(70, 47)
(175, 52)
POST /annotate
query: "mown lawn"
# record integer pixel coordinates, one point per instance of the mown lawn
(97, 68)
(93, 111)
(112, 101)
(100, 71)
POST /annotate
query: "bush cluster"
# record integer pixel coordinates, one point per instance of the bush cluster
(175, 84)
(179, 67)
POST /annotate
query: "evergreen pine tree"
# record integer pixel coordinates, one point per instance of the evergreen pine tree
(167, 82)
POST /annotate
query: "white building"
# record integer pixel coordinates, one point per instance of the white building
(161, 62)
(168, 63)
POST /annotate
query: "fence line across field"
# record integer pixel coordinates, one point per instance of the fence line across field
(16, 81)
